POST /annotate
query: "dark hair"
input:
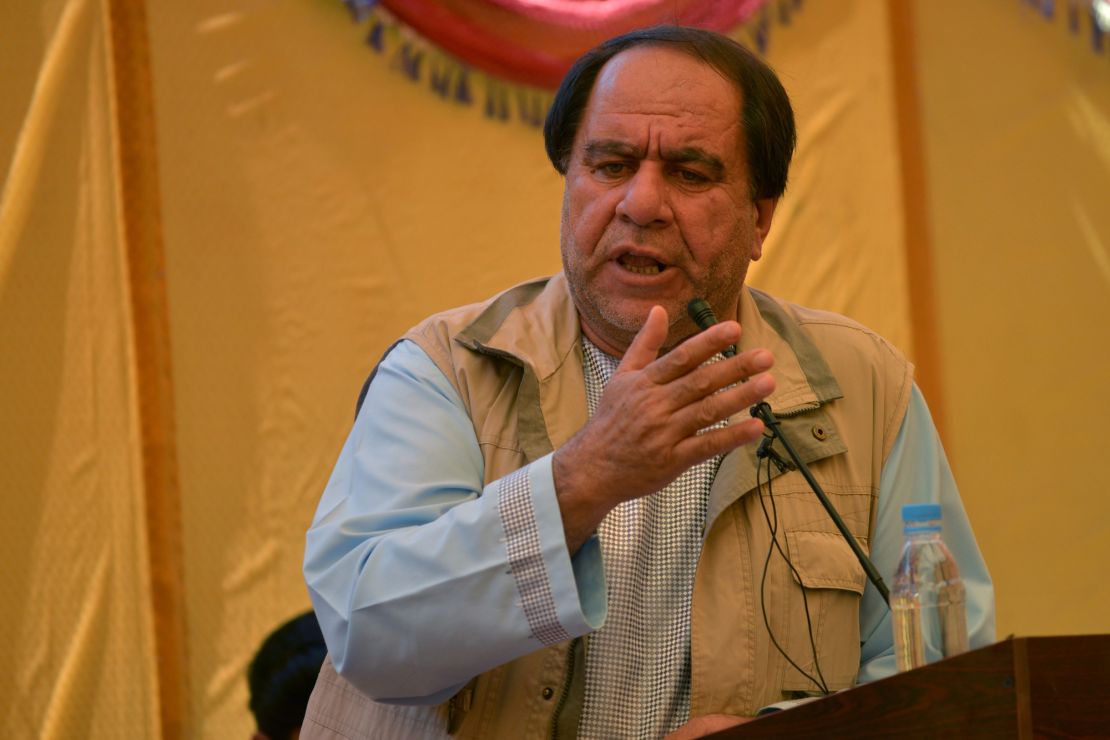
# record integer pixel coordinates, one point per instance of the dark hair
(768, 119)
(282, 674)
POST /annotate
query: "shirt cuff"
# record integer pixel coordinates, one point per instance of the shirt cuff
(562, 597)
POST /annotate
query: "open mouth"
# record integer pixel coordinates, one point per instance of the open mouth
(640, 265)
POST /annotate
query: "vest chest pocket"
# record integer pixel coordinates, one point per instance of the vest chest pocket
(825, 560)
(833, 583)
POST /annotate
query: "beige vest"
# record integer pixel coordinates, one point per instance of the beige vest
(516, 361)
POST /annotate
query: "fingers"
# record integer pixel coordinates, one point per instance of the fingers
(704, 412)
(707, 380)
(695, 351)
(645, 432)
(648, 341)
(719, 441)
(693, 391)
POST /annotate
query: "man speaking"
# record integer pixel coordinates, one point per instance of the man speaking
(549, 519)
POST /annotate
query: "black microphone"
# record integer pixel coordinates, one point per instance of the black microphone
(702, 314)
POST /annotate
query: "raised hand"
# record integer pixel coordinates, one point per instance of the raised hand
(647, 429)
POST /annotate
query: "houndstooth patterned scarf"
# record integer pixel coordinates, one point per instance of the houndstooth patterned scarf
(638, 663)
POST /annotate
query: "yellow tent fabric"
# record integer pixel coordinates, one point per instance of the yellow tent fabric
(312, 203)
(1017, 130)
(79, 644)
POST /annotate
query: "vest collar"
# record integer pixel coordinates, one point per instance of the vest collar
(535, 326)
(803, 385)
(802, 377)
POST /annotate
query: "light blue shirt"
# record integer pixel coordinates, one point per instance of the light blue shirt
(407, 565)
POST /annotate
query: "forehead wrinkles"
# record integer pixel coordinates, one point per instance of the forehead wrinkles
(651, 93)
(694, 100)
(663, 135)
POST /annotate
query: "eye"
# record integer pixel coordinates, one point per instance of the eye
(612, 169)
(691, 177)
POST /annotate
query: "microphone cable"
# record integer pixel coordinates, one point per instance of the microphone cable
(765, 453)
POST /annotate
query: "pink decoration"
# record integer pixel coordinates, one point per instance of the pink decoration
(534, 42)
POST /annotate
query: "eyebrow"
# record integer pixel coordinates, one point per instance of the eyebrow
(699, 156)
(610, 147)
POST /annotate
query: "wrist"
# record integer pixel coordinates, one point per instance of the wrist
(578, 493)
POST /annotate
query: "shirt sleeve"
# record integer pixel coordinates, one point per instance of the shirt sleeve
(916, 471)
(421, 576)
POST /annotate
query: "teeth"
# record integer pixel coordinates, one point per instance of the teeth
(645, 270)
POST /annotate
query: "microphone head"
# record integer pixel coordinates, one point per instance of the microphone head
(702, 313)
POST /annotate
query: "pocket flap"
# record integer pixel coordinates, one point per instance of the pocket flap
(825, 560)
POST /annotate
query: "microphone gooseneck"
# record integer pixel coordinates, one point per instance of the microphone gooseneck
(702, 314)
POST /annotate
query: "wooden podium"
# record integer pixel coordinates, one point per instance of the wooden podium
(1028, 687)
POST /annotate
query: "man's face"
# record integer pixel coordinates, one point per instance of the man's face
(657, 208)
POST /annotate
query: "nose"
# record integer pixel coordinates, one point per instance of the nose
(646, 202)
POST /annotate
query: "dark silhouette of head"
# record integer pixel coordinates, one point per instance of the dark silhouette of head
(282, 674)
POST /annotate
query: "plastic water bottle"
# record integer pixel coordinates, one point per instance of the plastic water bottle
(930, 621)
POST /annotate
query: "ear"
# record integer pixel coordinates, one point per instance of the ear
(764, 212)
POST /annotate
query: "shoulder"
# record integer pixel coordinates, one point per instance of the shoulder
(838, 336)
(534, 323)
(871, 372)
(435, 334)
(482, 317)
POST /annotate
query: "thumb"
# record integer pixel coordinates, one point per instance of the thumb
(647, 342)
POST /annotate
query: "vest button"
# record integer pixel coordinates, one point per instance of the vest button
(548, 692)
(819, 432)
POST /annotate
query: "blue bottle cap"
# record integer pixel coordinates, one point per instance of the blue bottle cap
(920, 512)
